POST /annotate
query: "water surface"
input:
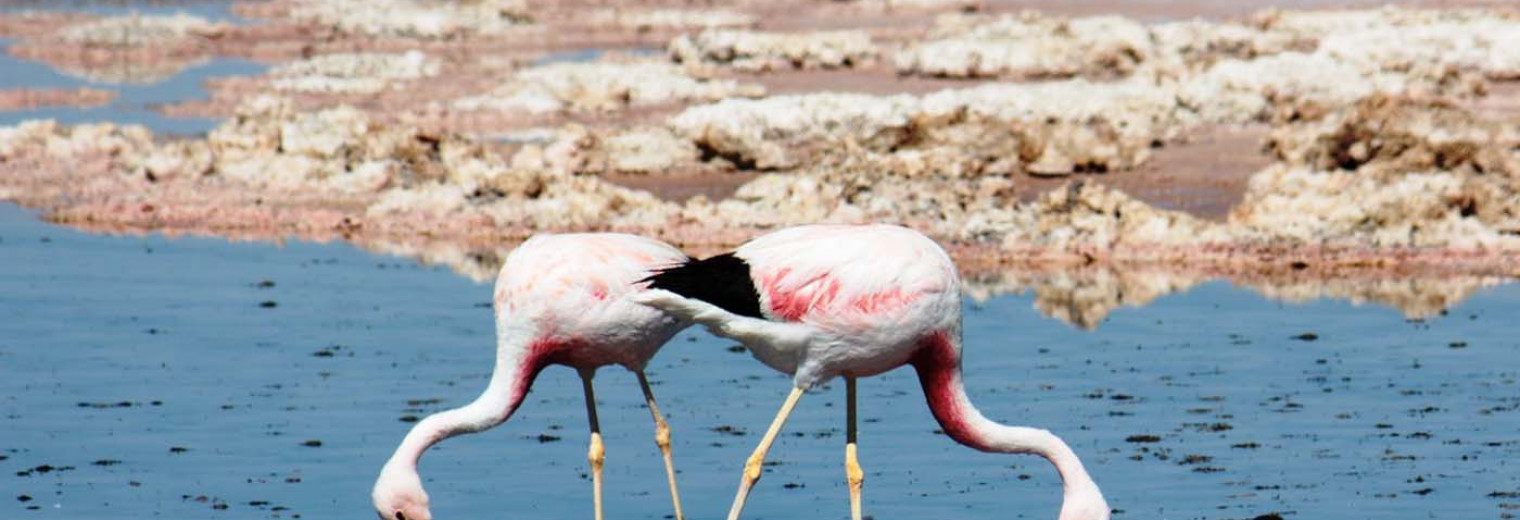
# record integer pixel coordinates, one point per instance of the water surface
(191, 378)
(216, 10)
(134, 104)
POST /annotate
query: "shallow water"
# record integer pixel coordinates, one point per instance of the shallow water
(219, 10)
(135, 103)
(152, 378)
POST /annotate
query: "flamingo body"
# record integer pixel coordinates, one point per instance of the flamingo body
(831, 300)
(826, 301)
(559, 299)
(568, 293)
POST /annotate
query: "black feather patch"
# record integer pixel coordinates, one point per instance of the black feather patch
(721, 280)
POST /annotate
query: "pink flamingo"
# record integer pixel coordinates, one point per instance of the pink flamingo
(559, 299)
(818, 302)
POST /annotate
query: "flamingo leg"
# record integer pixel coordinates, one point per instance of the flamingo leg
(853, 474)
(753, 466)
(597, 454)
(662, 439)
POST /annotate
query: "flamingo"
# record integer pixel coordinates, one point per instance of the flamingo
(826, 301)
(559, 300)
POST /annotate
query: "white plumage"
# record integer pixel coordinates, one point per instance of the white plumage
(559, 299)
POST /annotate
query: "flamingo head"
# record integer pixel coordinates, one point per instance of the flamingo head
(398, 495)
(1084, 502)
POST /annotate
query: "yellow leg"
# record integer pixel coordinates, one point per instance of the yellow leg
(853, 474)
(662, 439)
(756, 460)
(597, 455)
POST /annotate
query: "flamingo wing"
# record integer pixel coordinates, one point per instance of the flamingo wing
(851, 276)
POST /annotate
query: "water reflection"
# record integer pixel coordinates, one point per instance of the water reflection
(116, 67)
(217, 10)
(1081, 297)
(1084, 296)
(134, 103)
(1417, 297)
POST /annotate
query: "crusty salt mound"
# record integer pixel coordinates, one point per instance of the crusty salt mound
(787, 131)
(353, 73)
(1391, 172)
(415, 19)
(269, 145)
(141, 31)
(602, 87)
(651, 19)
(647, 150)
(1418, 42)
(1028, 45)
(1357, 54)
(542, 187)
(1283, 87)
(1389, 134)
(1295, 206)
(1097, 220)
(1195, 45)
(756, 51)
(1281, 66)
(1043, 128)
(46, 139)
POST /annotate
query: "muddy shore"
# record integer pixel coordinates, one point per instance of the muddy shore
(1265, 144)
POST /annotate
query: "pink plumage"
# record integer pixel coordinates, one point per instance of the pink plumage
(855, 301)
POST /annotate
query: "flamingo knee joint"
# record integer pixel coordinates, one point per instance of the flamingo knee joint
(853, 472)
(752, 469)
(662, 436)
(597, 454)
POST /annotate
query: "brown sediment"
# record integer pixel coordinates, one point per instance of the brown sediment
(1163, 171)
(1153, 10)
(876, 79)
(1204, 173)
(1501, 103)
(31, 98)
(680, 186)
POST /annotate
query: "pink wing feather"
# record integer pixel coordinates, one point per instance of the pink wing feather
(846, 275)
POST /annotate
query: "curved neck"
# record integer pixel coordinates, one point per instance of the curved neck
(939, 371)
(517, 364)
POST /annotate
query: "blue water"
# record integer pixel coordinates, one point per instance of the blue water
(216, 10)
(135, 103)
(160, 354)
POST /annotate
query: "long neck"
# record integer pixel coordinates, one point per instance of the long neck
(517, 364)
(939, 371)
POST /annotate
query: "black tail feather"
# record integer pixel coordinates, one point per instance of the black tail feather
(721, 280)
